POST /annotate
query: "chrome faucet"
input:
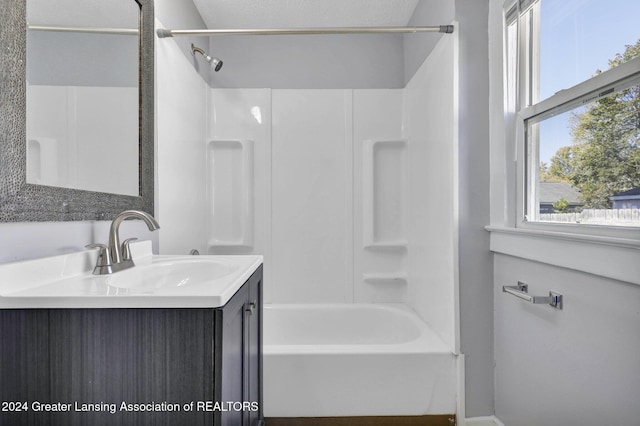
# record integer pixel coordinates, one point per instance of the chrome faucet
(116, 257)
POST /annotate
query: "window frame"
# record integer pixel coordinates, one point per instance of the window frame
(522, 105)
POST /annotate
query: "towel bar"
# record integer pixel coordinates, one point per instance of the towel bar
(521, 291)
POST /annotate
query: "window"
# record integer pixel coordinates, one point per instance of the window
(573, 105)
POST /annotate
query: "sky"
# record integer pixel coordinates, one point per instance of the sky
(579, 37)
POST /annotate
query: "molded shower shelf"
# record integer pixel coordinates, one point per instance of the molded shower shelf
(384, 183)
(394, 279)
(388, 245)
(229, 245)
(230, 193)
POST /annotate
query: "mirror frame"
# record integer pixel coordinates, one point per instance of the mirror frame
(24, 202)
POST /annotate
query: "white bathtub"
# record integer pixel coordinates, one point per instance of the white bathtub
(354, 360)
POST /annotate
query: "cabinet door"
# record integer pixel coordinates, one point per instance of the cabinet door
(136, 356)
(231, 358)
(111, 356)
(239, 335)
(254, 338)
(24, 366)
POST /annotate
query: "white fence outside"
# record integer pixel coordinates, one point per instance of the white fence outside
(617, 217)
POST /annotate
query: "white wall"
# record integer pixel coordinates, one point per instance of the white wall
(32, 240)
(76, 134)
(430, 123)
(181, 128)
(351, 194)
(305, 185)
(243, 117)
(578, 365)
(311, 207)
(380, 197)
(474, 259)
(311, 151)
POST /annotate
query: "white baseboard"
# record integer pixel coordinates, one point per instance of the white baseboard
(483, 421)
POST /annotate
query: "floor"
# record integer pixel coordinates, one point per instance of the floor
(431, 420)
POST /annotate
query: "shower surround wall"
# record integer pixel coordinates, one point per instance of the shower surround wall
(69, 127)
(349, 194)
(180, 167)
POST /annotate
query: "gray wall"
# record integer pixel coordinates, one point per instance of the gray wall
(418, 46)
(579, 365)
(309, 62)
(78, 59)
(576, 367)
(182, 14)
(329, 62)
(475, 260)
(289, 62)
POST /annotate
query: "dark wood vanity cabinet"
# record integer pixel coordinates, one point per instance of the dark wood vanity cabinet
(239, 332)
(186, 366)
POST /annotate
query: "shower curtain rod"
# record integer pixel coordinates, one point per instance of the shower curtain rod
(94, 30)
(308, 31)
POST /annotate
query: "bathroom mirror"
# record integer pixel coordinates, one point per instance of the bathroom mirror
(76, 93)
(82, 95)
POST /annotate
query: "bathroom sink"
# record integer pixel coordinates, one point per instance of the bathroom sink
(157, 281)
(171, 274)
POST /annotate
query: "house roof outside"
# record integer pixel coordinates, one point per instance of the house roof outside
(630, 194)
(550, 192)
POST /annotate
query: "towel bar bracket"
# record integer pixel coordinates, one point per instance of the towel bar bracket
(521, 291)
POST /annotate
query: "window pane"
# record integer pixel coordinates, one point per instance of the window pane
(511, 61)
(585, 163)
(580, 37)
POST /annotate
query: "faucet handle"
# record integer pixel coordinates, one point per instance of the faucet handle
(104, 255)
(126, 250)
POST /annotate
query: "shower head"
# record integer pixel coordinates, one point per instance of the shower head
(215, 63)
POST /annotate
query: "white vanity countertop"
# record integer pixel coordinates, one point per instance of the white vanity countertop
(157, 281)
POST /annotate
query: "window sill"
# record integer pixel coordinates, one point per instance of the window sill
(609, 257)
